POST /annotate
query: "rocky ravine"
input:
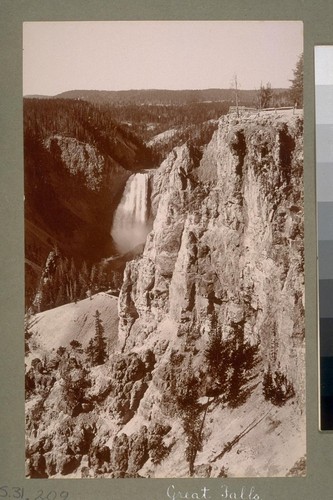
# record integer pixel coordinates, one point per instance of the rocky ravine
(209, 376)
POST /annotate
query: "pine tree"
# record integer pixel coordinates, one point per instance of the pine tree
(217, 354)
(243, 358)
(94, 284)
(73, 281)
(97, 347)
(268, 383)
(61, 296)
(277, 389)
(101, 344)
(296, 89)
(102, 279)
(90, 349)
(190, 412)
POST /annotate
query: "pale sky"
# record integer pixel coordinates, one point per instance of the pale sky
(121, 55)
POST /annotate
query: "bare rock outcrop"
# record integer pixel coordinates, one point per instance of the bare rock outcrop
(225, 252)
(227, 237)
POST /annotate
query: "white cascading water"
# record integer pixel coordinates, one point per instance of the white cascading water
(131, 221)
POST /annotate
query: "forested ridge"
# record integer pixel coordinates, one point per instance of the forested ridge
(87, 123)
(168, 97)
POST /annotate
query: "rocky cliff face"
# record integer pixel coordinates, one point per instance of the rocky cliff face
(226, 253)
(227, 239)
(96, 169)
(96, 182)
(209, 380)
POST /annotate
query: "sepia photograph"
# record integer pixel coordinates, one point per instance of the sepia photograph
(164, 322)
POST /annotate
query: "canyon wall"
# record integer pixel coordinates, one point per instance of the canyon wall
(227, 240)
(225, 254)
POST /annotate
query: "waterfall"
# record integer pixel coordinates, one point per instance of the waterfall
(132, 220)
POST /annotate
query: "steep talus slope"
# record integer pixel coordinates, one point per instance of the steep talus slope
(209, 376)
(61, 325)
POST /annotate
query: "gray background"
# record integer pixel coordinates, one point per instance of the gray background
(318, 22)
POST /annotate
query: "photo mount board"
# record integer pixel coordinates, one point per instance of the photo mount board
(317, 19)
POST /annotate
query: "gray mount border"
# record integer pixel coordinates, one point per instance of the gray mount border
(317, 17)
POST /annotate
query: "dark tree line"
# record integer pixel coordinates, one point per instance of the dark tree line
(87, 123)
(65, 280)
(148, 121)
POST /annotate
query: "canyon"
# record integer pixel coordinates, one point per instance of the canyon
(205, 368)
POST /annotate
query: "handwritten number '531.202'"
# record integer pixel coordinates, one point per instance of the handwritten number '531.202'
(16, 492)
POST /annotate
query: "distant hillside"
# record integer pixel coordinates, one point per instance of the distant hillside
(163, 96)
(155, 96)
